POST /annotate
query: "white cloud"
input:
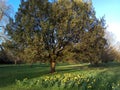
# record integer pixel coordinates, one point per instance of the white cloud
(114, 27)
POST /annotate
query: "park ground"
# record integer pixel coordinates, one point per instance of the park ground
(67, 77)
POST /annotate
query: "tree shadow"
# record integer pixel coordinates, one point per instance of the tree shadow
(71, 68)
(12, 73)
(106, 65)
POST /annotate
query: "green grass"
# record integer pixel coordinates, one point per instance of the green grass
(11, 74)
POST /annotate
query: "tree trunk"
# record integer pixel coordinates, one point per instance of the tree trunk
(52, 66)
(15, 62)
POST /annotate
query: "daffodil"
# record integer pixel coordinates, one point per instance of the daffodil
(89, 86)
(87, 80)
(94, 80)
(75, 78)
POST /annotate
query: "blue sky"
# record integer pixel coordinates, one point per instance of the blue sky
(14, 4)
(109, 8)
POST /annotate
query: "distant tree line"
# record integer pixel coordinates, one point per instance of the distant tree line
(58, 31)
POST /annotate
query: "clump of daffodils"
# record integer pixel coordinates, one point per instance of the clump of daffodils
(68, 80)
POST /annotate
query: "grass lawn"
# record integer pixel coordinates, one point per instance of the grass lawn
(77, 77)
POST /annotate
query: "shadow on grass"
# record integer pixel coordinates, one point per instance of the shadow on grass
(9, 74)
(106, 65)
(71, 68)
(111, 67)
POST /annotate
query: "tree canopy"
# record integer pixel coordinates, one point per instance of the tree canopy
(52, 31)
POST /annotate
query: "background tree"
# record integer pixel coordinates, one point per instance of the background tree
(4, 10)
(5, 15)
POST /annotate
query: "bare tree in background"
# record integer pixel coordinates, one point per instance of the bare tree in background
(5, 11)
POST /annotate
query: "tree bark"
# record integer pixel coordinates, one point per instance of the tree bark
(15, 62)
(52, 66)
